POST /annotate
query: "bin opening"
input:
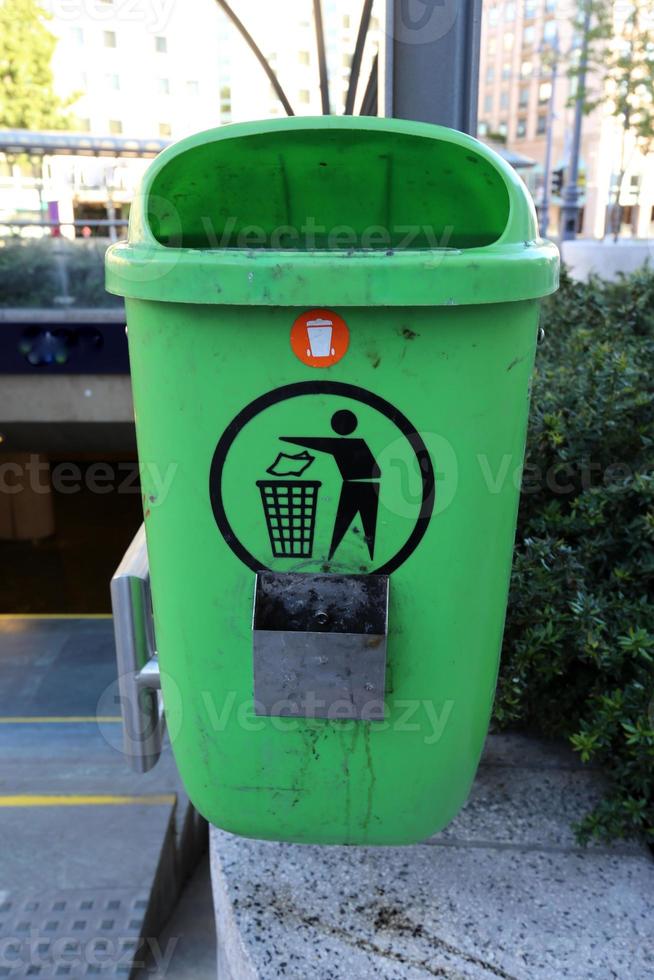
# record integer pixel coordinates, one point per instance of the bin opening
(328, 189)
(301, 602)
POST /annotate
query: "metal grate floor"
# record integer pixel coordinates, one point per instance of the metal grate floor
(75, 934)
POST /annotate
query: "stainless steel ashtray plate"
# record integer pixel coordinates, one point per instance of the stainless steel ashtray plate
(319, 645)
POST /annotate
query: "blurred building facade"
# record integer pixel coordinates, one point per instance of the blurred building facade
(173, 67)
(518, 39)
(162, 69)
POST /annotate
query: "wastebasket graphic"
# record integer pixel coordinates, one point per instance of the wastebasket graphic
(320, 338)
(352, 489)
(290, 509)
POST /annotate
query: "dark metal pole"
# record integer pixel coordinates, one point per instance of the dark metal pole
(571, 192)
(429, 66)
(370, 96)
(322, 58)
(357, 57)
(258, 53)
(545, 203)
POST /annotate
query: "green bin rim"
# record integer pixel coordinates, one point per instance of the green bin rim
(518, 265)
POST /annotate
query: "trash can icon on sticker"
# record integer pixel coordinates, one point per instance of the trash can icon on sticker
(320, 338)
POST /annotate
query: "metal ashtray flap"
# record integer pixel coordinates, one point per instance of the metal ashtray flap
(319, 645)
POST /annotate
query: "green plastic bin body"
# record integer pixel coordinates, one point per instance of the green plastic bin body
(424, 243)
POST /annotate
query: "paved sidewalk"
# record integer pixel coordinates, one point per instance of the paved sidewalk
(504, 892)
(93, 856)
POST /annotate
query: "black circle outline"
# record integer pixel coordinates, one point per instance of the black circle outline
(295, 390)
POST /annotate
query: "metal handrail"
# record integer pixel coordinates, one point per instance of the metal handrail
(139, 680)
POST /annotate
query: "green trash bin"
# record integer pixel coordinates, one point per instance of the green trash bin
(332, 326)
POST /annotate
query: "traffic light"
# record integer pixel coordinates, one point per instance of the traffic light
(557, 180)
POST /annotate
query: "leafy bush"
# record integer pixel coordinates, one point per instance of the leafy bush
(579, 643)
(36, 273)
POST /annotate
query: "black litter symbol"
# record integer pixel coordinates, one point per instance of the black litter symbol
(290, 509)
(359, 471)
(288, 465)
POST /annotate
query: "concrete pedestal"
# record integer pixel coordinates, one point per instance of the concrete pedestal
(504, 892)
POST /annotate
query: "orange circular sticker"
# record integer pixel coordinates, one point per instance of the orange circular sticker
(320, 338)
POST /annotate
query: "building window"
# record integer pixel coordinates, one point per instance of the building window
(509, 38)
(115, 127)
(509, 12)
(502, 128)
(374, 24)
(541, 124)
(493, 16)
(550, 6)
(504, 99)
(77, 36)
(304, 95)
(523, 100)
(529, 36)
(526, 68)
(347, 61)
(84, 125)
(492, 46)
(490, 73)
(506, 70)
(165, 129)
(304, 57)
(163, 86)
(488, 103)
(521, 129)
(544, 91)
(549, 31)
(109, 39)
(192, 87)
(161, 44)
(530, 9)
(346, 21)
(112, 82)
(482, 129)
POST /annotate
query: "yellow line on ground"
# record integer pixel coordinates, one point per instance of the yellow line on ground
(28, 800)
(55, 616)
(59, 720)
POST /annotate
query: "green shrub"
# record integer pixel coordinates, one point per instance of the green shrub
(36, 273)
(578, 656)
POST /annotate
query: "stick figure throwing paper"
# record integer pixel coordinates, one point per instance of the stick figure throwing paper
(360, 472)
